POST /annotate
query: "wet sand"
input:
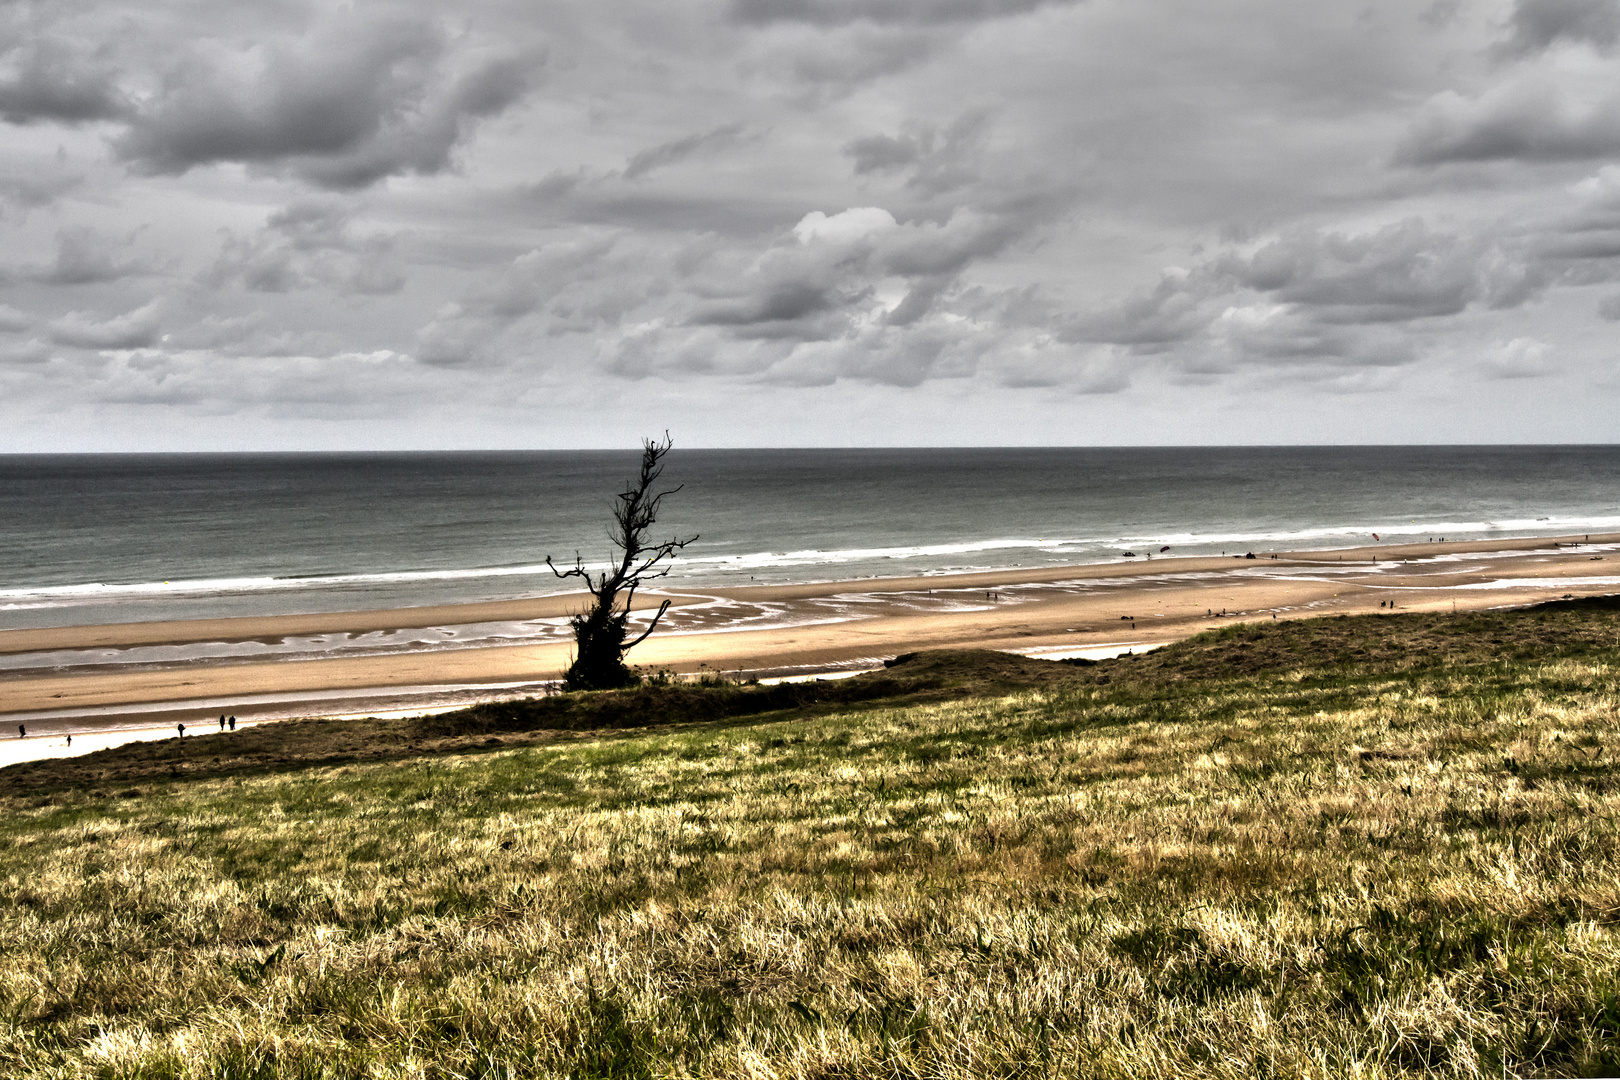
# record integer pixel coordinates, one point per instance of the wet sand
(779, 630)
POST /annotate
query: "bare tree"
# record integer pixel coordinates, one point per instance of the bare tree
(600, 631)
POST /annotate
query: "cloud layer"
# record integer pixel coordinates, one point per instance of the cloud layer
(1004, 220)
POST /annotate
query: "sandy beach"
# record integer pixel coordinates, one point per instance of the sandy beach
(148, 677)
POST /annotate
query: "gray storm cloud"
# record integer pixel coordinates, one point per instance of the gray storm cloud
(344, 106)
(1538, 24)
(12, 320)
(46, 80)
(904, 12)
(131, 330)
(669, 153)
(308, 245)
(83, 257)
(1328, 298)
(1531, 121)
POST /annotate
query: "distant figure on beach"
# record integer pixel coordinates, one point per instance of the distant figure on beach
(70, 740)
(233, 723)
(22, 732)
(222, 721)
(182, 728)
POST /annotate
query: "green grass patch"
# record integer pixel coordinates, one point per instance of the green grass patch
(1360, 847)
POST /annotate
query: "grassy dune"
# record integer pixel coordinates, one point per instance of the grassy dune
(1357, 847)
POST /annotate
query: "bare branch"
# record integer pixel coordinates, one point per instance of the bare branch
(650, 626)
(577, 571)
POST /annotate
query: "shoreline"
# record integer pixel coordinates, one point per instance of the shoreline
(560, 605)
(770, 631)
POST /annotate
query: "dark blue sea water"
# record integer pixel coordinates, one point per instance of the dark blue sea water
(107, 538)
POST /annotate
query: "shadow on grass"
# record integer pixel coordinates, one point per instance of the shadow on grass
(291, 745)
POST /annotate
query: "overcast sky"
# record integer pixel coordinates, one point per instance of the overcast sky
(277, 224)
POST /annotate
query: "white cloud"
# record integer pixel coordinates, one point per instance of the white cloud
(1521, 358)
(845, 227)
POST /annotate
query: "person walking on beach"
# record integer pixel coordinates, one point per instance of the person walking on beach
(222, 721)
(182, 728)
(233, 723)
(22, 732)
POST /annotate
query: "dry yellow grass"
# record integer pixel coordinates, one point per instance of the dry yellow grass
(1300, 872)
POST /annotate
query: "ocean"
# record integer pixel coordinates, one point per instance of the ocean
(88, 539)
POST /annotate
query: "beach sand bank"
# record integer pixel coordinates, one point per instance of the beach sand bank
(769, 630)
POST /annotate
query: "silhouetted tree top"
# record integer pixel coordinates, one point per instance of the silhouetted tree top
(600, 631)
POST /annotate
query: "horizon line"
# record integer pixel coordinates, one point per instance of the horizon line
(621, 448)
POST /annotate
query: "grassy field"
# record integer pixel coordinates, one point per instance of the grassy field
(1348, 847)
